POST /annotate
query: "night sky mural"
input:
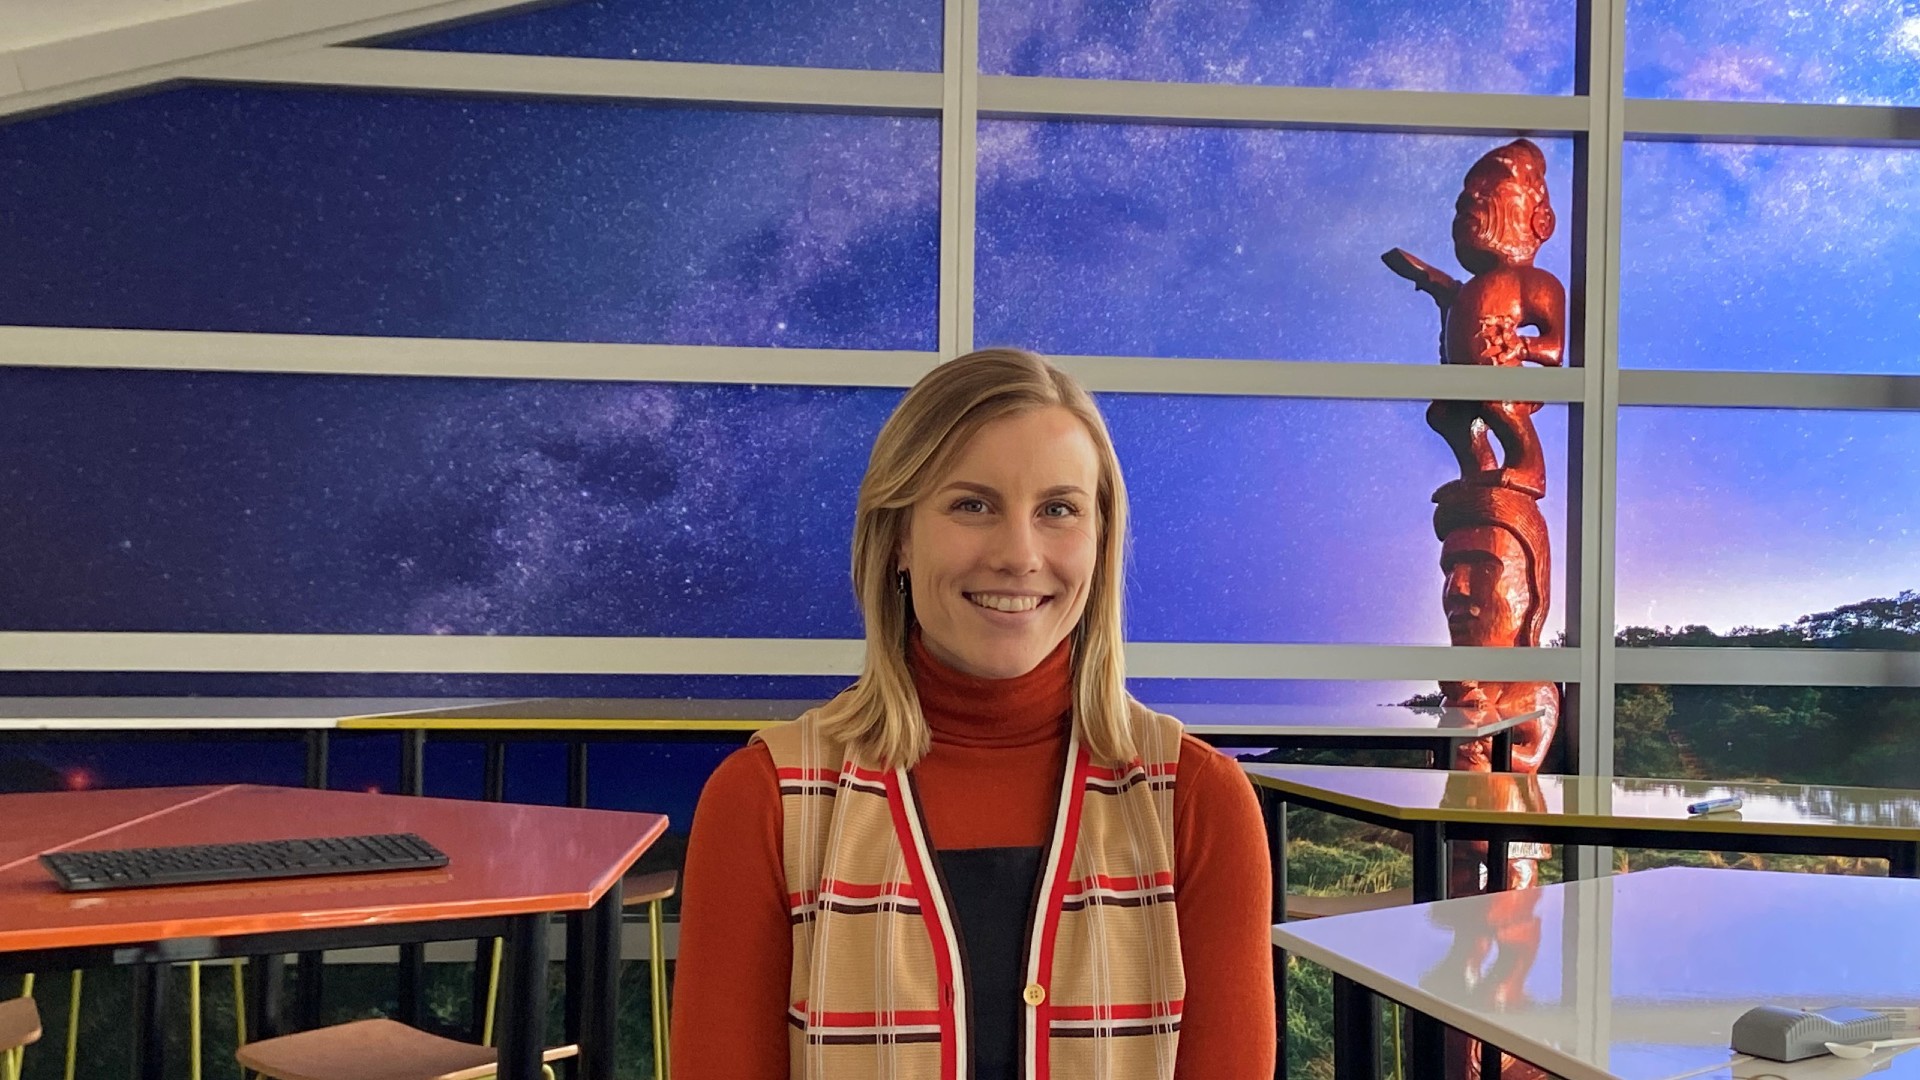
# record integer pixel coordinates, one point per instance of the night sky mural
(274, 503)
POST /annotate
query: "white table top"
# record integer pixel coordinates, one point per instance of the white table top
(1356, 722)
(1549, 801)
(1640, 976)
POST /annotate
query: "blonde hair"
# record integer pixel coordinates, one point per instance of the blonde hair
(879, 716)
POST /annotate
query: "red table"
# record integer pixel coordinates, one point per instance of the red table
(509, 868)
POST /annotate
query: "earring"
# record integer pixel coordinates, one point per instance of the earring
(900, 582)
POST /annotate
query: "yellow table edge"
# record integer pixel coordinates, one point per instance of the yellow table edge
(497, 723)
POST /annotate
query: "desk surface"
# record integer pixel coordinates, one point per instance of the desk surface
(1571, 801)
(503, 859)
(1640, 976)
(1357, 722)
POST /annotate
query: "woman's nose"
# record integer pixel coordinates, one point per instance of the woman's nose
(1017, 548)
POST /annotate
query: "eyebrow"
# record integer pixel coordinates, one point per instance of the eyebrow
(1050, 493)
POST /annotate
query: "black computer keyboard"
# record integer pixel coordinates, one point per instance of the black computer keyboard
(129, 868)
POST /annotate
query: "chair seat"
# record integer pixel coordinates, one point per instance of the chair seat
(646, 888)
(19, 1023)
(1320, 907)
(374, 1050)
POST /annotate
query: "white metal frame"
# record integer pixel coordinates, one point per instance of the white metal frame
(287, 44)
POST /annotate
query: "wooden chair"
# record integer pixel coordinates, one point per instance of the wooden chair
(377, 1050)
(11, 1069)
(390, 1050)
(653, 890)
(19, 1026)
(385, 1050)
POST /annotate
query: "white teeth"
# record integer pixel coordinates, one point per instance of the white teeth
(1005, 603)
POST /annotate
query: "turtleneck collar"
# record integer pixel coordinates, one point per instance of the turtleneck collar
(968, 710)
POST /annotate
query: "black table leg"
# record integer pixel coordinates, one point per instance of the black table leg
(1496, 863)
(1429, 862)
(1356, 1033)
(1903, 860)
(598, 987)
(1489, 1061)
(267, 1005)
(410, 995)
(306, 1000)
(523, 999)
(573, 1006)
(577, 774)
(317, 760)
(149, 1020)
(307, 990)
(1275, 808)
(1503, 751)
(481, 987)
(1426, 1037)
(493, 789)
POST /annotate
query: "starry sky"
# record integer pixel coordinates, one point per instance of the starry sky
(197, 501)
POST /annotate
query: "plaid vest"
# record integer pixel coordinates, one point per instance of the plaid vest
(879, 989)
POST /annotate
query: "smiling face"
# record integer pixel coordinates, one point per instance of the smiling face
(1001, 552)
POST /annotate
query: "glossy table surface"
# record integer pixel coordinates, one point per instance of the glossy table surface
(1357, 723)
(1659, 805)
(1640, 976)
(503, 859)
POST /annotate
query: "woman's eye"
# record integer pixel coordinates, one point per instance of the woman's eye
(971, 506)
(1061, 510)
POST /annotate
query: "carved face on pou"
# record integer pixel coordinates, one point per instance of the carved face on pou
(1488, 596)
(1502, 215)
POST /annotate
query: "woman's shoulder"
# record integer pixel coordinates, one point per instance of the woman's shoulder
(784, 741)
(746, 771)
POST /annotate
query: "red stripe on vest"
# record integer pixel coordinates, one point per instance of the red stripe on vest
(930, 917)
(1050, 924)
(901, 1017)
(1121, 884)
(1118, 1012)
(1158, 768)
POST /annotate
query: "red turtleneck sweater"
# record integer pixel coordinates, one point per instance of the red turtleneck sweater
(990, 781)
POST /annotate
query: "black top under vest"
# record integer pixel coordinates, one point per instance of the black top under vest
(994, 892)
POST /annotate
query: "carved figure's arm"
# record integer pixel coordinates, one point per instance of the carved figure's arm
(1440, 285)
(1545, 309)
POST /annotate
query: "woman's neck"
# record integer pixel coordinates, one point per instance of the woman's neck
(968, 710)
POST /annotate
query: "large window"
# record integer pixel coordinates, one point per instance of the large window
(1743, 257)
(1764, 519)
(888, 34)
(421, 216)
(1155, 240)
(1757, 50)
(1522, 47)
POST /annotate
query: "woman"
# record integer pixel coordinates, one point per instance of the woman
(984, 859)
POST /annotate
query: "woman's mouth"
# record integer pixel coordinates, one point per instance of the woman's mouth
(1011, 603)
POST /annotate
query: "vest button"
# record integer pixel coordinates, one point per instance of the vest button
(1035, 994)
